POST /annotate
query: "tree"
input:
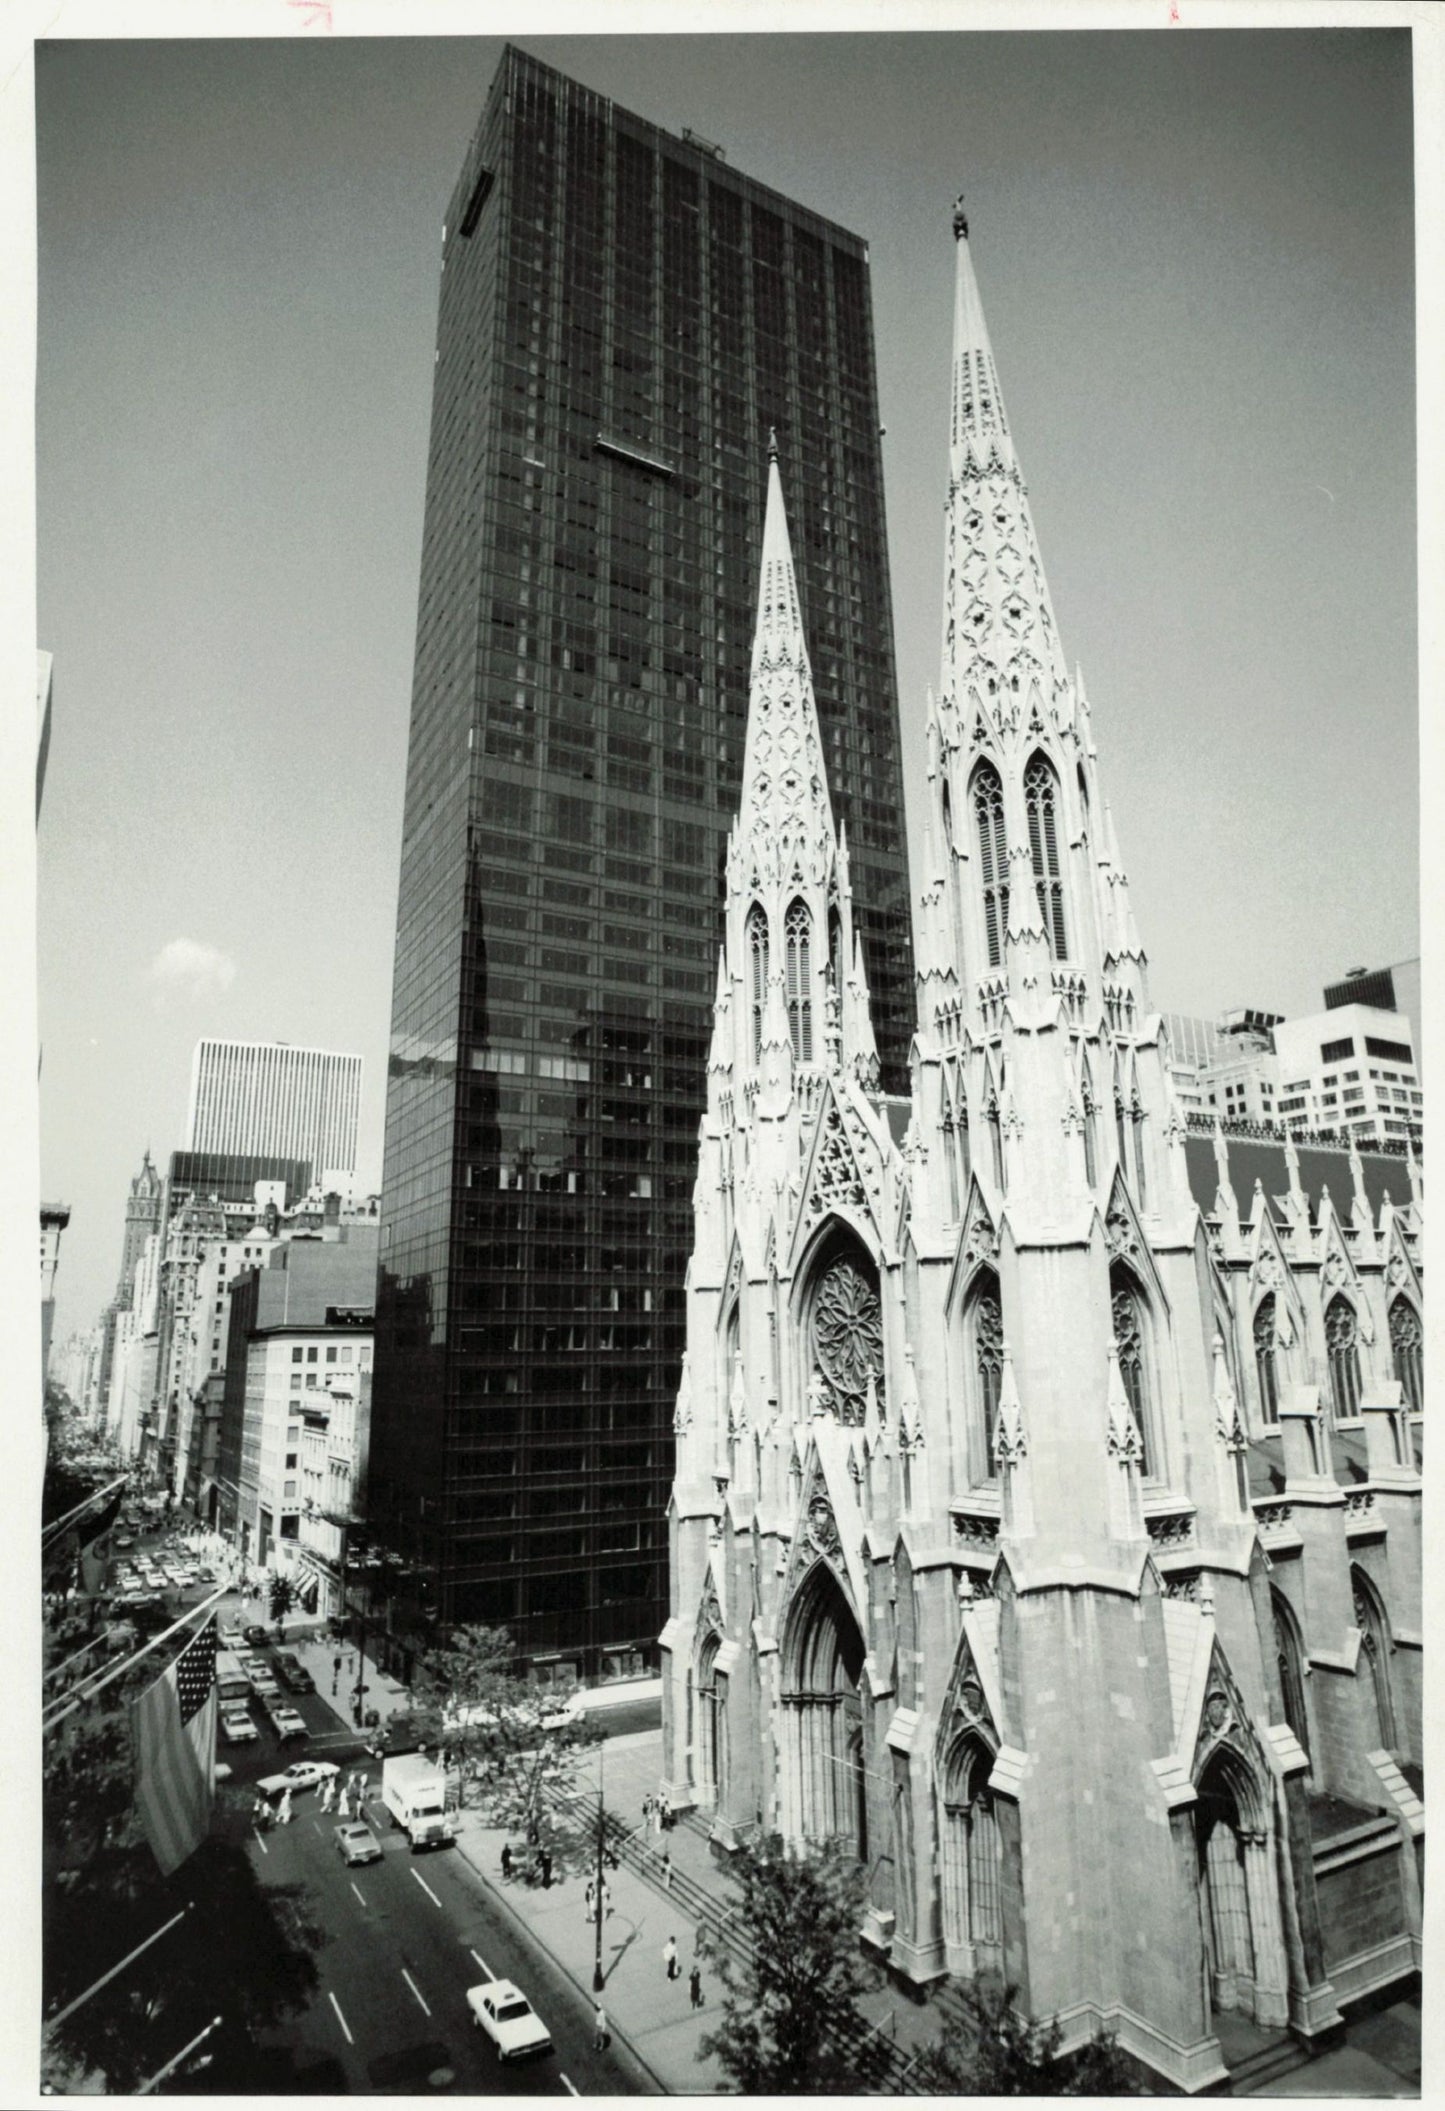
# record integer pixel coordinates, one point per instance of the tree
(988, 2048)
(789, 2018)
(283, 1597)
(510, 1740)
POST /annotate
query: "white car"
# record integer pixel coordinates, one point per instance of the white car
(237, 1727)
(302, 1774)
(287, 1723)
(231, 1638)
(264, 1686)
(503, 2011)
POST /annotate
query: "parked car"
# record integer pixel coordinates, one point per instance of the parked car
(293, 1673)
(258, 1637)
(301, 1774)
(503, 2011)
(237, 1727)
(357, 1843)
(285, 1721)
(265, 1687)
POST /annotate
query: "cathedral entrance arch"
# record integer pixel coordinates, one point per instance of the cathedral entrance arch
(1239, 1892)
(710, 1775)
(824, 1745)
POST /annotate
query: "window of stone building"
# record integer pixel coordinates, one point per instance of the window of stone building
(986, 1326)
(972, 1853)
(798, 958)
(757, 943)
(1091, 1115)
(1041, 804)
(1407, 1349)
(1131, 1344)
(1342, 1349)
(993, 857)
(1265, 1339)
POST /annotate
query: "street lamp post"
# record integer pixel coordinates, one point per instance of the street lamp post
(598, 1979)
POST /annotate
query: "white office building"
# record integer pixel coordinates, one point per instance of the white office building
(266, 1098)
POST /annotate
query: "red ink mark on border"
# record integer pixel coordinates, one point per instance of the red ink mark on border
(318, 13)
(1173, 10)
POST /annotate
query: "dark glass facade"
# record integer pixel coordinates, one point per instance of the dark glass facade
(623, 319)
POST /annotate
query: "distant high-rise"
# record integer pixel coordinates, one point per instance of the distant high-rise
(267, 1099)
(623, 320)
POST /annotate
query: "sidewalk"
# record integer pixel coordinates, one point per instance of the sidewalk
(318, 1653)
(650, 2012)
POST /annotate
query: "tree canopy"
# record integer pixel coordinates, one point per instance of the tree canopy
(789, 2021)
(508, 1739)
(987, 2047)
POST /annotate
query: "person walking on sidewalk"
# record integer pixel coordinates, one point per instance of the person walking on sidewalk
(285, 1814)
(669, 1957)
(694, 1985)
(324, 1799)
(667, 1869)
(601, 2036)
(590, 1895)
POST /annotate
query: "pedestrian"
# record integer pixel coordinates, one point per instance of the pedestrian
(647, 1809)
(669, 1957)
(666, 1869)
(601, 2036)
(324, 1799)
(546, 1861)
(285, 1812)
(506, 1863)
(591, 1897)
(694, 1986)
(336, 1666)
(259, 1814)
(604, 1896)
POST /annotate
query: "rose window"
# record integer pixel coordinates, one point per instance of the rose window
(848, 1337)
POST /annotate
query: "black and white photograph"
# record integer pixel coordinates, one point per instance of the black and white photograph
(726, 1070)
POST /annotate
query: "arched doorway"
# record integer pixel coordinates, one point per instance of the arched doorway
(1239, 1892)
(824, 1755)
(711, 1772)
(972, 1860)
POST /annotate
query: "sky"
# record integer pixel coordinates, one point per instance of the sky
(1196, 255)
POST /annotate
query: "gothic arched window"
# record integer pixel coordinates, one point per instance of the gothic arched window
(757, 939)
(986, 1327)
(992, 857)
(1342, 1348)
(1407, 1347)
(798, 959)
(1131, 1344)
(1290, 1658)
(1264, 1363)
(1041, 798)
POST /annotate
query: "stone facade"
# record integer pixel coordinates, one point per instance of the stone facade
(1046, 1518)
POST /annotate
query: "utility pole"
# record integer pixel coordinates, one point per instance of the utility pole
(184, 2054)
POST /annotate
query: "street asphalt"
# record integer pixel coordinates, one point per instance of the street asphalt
(403, 1940)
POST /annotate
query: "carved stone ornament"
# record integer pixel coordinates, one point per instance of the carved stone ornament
(981, 1243)
(847, 1338)
(1120, 1238)
(1216, 1711)
(1397, 1271)
(970, 1700)
(1336, 1269)
(823, 1528)
(837, 1176)
(1267, 1271)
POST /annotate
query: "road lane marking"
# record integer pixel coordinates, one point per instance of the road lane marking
(341, 2019)
(318, 1828)
(484, 1965)
(426, 1887)
(406, 1975)
(568, 2086)
(359, 1899)
(261, 1843)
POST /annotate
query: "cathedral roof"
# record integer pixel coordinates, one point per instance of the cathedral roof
(1262, 1158)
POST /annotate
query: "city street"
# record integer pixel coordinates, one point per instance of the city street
(406, 1937)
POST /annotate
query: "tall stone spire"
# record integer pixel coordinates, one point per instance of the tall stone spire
(790, 942)
(999, 620)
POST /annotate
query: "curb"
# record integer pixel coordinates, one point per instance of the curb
(533, 1937)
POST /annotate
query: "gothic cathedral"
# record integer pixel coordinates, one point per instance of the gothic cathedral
(1046, 1519)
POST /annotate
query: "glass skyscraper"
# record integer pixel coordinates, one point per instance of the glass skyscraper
(623, 320)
